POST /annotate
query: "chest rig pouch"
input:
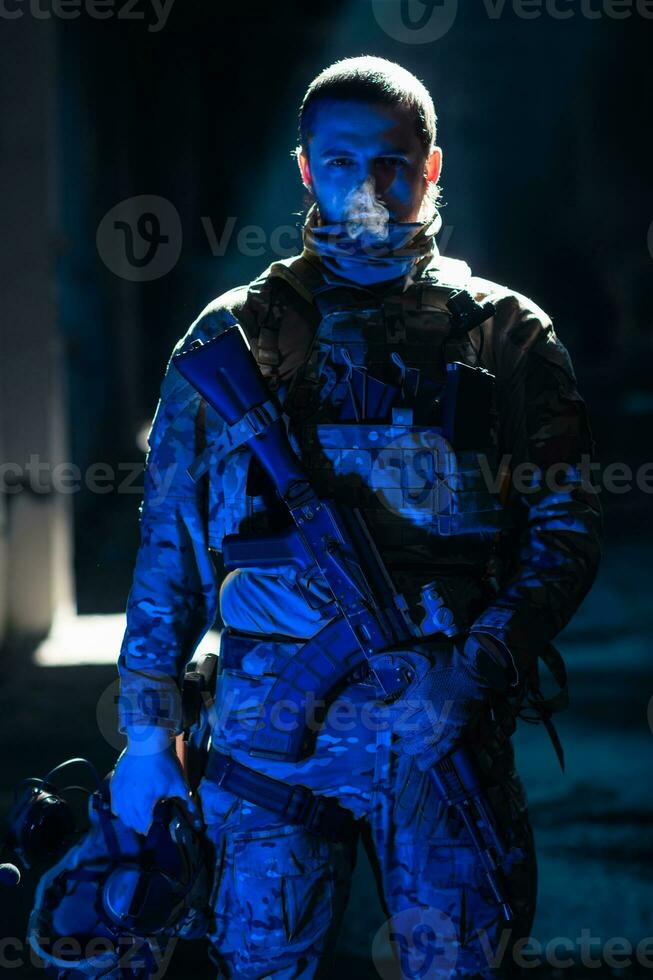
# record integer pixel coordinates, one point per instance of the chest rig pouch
(394, 416)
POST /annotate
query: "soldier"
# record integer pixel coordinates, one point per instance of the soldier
(355, 339)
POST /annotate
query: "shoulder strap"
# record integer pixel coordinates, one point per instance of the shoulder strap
(303, 275)
(543, 707)
(267, 351)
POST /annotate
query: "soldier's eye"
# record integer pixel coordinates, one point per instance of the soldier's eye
(392, 161)
(339, 162)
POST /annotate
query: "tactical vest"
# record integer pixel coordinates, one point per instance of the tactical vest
(393, 414)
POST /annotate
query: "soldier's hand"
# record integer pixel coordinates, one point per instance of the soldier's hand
(146, 772)
(430, 718)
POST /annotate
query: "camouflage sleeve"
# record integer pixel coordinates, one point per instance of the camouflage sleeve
(173, 600)
(545, 432)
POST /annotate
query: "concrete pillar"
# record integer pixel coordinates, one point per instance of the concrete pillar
(36, 570)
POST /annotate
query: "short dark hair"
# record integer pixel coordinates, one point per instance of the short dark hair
(371, 79)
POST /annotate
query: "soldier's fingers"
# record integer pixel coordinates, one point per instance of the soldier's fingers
(179, 788)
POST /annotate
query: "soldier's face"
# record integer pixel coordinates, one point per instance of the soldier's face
(366, 157)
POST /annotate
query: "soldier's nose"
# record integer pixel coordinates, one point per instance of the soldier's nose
(380, 179)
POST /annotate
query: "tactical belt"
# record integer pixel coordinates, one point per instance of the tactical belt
(295, 804)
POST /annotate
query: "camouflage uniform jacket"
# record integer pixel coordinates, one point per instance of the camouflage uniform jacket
(173, 601)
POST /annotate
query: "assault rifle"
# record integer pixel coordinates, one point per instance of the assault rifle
(371, 626)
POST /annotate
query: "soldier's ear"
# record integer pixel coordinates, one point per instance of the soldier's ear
(304, 168)
(433, 165)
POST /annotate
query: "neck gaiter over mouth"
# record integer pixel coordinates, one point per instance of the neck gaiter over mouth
(367, 259)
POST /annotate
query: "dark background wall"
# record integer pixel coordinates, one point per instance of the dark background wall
(546, 181)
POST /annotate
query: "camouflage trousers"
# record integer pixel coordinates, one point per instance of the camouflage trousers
(280, 893)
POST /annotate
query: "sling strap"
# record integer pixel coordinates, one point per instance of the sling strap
(321, 815)
(542, 707)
